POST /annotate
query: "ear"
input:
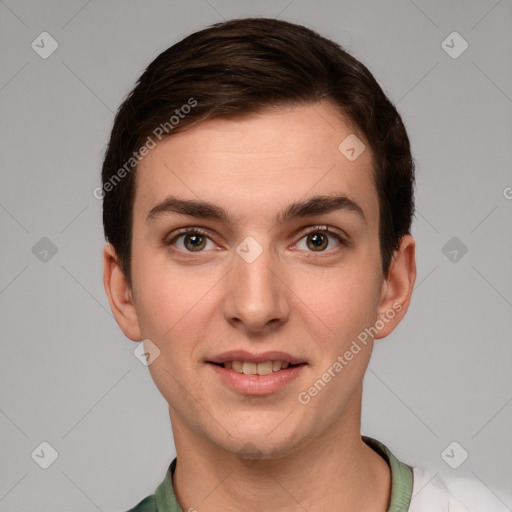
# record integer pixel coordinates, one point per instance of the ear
(397, 286)
(119, 294)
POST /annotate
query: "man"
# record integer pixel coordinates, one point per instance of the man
(258, 198)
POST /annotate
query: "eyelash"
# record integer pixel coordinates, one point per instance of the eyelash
(202, 232)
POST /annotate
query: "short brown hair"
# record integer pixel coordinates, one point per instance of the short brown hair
(244, 66)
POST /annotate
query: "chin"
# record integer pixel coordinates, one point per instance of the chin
(254, 446)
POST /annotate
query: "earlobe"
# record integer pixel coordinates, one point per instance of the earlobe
(119, 294)
(397, 286)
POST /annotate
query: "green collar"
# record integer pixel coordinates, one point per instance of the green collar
(401, 477)
(164, 499)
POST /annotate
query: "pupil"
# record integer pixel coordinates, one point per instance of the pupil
(195, 241)
(318, 240)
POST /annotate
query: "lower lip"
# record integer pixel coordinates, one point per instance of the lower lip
(257, 384)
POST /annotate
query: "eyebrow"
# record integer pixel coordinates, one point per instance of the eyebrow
(316, 205)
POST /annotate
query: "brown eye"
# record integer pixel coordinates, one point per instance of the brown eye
(319, 238)
(317, 241)
(191, 240)
(194, 242)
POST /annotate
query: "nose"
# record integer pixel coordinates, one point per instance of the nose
(256, 296)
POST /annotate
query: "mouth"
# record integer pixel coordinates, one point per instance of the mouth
(257, 378)
(257, 374)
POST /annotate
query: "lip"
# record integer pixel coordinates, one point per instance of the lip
(257, 385)
(244, 355)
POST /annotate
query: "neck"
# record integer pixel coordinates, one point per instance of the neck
(335, 471)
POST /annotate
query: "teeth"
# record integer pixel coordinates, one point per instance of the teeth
(264, 368)
(250, 368)
(236, 365)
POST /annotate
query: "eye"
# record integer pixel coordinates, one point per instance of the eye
(193, 240)
(317, 239)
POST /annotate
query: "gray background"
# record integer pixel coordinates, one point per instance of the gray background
(68, 374)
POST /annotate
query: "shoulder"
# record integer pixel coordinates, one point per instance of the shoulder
(146, 505)
(440, 492)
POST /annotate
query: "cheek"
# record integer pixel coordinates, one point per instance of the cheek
(175, 308)
(163, 295)
(167, 305)
(172, 315)
(344, 306)
(340, 303)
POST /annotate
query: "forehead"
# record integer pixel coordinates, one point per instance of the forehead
(258, 164)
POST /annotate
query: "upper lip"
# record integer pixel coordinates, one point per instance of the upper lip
(243, 355)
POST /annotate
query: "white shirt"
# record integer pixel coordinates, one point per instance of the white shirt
(437, 492)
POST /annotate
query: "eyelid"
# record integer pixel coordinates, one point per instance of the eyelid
(325, 229)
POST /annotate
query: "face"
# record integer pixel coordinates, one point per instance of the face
(256, 275)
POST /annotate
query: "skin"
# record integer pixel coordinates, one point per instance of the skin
(244, 453)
